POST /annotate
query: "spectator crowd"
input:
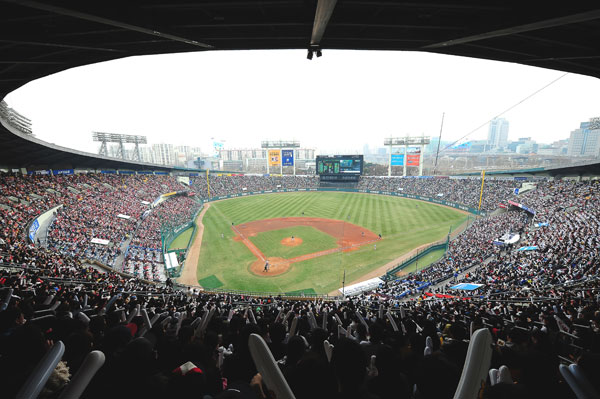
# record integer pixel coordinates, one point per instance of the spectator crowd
(406, 339)
(464, 191)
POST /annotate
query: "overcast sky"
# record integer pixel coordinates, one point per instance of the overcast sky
(336, 103)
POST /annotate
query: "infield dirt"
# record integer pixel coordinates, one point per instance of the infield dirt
(348, 237)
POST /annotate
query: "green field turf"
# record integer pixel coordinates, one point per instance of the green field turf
(182, 240)
(403, 224)
(424, 262)
(313, 240)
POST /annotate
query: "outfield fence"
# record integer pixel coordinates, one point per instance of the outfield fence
(354, 190)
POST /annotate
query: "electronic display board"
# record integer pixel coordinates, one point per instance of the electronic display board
(340, 165)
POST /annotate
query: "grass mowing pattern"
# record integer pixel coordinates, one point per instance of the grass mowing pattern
(405, 224)
(182, 240)
(313, 240)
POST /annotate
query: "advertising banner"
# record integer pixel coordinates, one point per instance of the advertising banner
(274, 158)
(38, 172)
(62, 172)
(397, 159)
(413, 159)
(287, 156)
(33, 229)
(217, 147)
(522, 207)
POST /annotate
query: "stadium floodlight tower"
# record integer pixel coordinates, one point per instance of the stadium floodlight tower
(404, 159)
(120, 139)
(281, 145)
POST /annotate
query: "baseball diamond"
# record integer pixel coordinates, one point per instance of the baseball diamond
(334, 227)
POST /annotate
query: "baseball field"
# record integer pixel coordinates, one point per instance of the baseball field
(303, 242)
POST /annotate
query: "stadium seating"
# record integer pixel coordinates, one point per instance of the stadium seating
(410, 337)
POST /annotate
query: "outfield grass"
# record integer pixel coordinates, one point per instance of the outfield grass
(403, 224)
(313, 240)
(182, 240)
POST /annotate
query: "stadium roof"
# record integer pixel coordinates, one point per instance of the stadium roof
(19, 150)
(40, 38)
(43, 37)
(580, 169)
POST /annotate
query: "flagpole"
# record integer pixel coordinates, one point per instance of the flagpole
(438, 147)
(344, 285)
(207, 183)
(481, 193)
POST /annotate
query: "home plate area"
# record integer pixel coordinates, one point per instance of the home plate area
(347, 236)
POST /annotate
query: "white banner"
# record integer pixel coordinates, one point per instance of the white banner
(120, 215)
(171, 260)
(100, 241)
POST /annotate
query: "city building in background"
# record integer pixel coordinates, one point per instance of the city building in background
(585, 141)
(164, 154)
(526, 146)
(497, 133)
(254, 160)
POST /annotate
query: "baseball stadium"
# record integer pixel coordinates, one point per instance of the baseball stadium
(420, 270)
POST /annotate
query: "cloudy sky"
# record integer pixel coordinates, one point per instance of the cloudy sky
(336, 103)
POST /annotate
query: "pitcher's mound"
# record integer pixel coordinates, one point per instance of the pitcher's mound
(291, 243)
(277, 266)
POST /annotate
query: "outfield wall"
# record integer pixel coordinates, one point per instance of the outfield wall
(350, 190)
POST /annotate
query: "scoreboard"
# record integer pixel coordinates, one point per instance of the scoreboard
(340, 165)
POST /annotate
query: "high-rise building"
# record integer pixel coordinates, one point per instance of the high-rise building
(498, 133)
(163, 154)
(146, 154)
(185, 153)
(585, 141)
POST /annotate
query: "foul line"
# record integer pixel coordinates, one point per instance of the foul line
(253, 248)
(255, 251)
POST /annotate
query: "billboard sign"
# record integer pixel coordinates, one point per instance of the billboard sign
(413, 158)
(287, 156)
(39, 172)
(62, 172)
(217, 147)
(397, 159)
(274, 158)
